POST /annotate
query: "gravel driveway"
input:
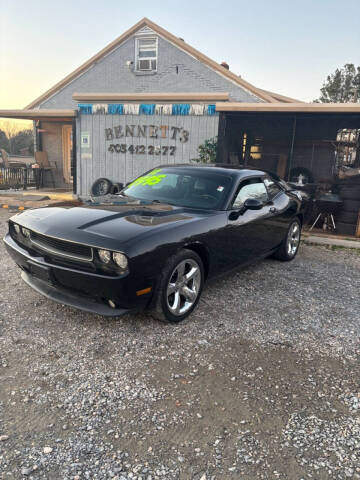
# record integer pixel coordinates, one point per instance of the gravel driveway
(261, 382)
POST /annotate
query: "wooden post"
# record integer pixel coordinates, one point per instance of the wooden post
(25, 177)
(221, 151)
(74, 158)
(291, 148)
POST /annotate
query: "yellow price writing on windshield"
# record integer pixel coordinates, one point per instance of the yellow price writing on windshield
(152, 178)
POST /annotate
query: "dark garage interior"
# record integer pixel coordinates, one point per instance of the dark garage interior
(316, 151)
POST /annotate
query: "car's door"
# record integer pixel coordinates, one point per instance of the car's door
(278, 222)
(250, 234)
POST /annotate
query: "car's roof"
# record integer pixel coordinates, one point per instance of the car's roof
(237, 170)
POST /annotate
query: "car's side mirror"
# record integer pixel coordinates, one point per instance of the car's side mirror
(249, 204)
(253, 204)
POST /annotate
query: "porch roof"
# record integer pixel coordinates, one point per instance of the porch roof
(288, 107)
(53, 115)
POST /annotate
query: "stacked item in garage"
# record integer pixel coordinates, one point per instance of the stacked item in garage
(347, 218)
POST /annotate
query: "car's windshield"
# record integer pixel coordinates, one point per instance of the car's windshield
(184, 187)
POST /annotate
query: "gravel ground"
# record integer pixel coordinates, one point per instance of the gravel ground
(261, 382)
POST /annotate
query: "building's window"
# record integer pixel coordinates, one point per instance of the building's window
(146, 54)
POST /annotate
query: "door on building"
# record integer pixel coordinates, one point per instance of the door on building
(67, 144)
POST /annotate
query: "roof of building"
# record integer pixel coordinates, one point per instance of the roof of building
(145, 22)
(281, 98)
(27, 114)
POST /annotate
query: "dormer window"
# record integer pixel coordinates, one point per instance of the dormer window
(146, 54)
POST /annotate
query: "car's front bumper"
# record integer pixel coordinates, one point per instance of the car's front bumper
(83, 290)
(65, 297)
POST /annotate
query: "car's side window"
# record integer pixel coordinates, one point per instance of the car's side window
(272, 188)
(251, 188)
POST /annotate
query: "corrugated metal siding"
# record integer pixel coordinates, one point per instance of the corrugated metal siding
(111, 74)
(97, 161)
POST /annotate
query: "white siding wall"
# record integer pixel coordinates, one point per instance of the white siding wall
(97, 161)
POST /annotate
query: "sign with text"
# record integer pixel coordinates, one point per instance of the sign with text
(150, 131)
(145, 131)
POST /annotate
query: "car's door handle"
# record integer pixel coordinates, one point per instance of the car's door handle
(272, 209)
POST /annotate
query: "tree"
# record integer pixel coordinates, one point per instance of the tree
(16, 140)
(10, 129)
(23, 140)
(342, 86)
(207, 151)
(4, 141)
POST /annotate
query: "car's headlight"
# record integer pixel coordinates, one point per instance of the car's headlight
(104, 255)
(120, 260)
(17, 228)
(25, 232)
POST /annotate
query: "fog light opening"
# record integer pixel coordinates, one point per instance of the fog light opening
(112, 303)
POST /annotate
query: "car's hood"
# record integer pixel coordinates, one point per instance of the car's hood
(107, 226)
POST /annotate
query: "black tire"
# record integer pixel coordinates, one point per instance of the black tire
(160, 310)
(345, 228)
(350, 192)
(116, 188)
(283, 253)
(100, 187)
(347, 217)
(351, 205)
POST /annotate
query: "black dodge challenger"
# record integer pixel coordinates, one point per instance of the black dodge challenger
(155, 244)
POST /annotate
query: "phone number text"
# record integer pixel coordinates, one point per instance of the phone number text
(141, 149)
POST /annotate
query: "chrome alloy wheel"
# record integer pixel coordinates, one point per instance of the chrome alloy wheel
(293, 239)
(183, 287)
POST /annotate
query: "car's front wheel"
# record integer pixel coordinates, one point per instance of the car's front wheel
(179, 287)
(290, 245)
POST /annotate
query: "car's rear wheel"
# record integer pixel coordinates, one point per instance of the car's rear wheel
(290, 245)
(179, 288)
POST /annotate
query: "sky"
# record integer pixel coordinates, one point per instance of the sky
(284, 46)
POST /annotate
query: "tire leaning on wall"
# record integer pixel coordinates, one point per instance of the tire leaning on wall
(347, 217)
(101, 186)
(345, 228)
(350, 191)
(351, 205)
(116, 188)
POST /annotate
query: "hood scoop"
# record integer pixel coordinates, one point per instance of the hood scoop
(136, 212)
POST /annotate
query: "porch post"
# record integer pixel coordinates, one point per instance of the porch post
(291, 149)
(221, 150)
(73, 155)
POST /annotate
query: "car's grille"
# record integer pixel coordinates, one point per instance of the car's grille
(61, 247)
